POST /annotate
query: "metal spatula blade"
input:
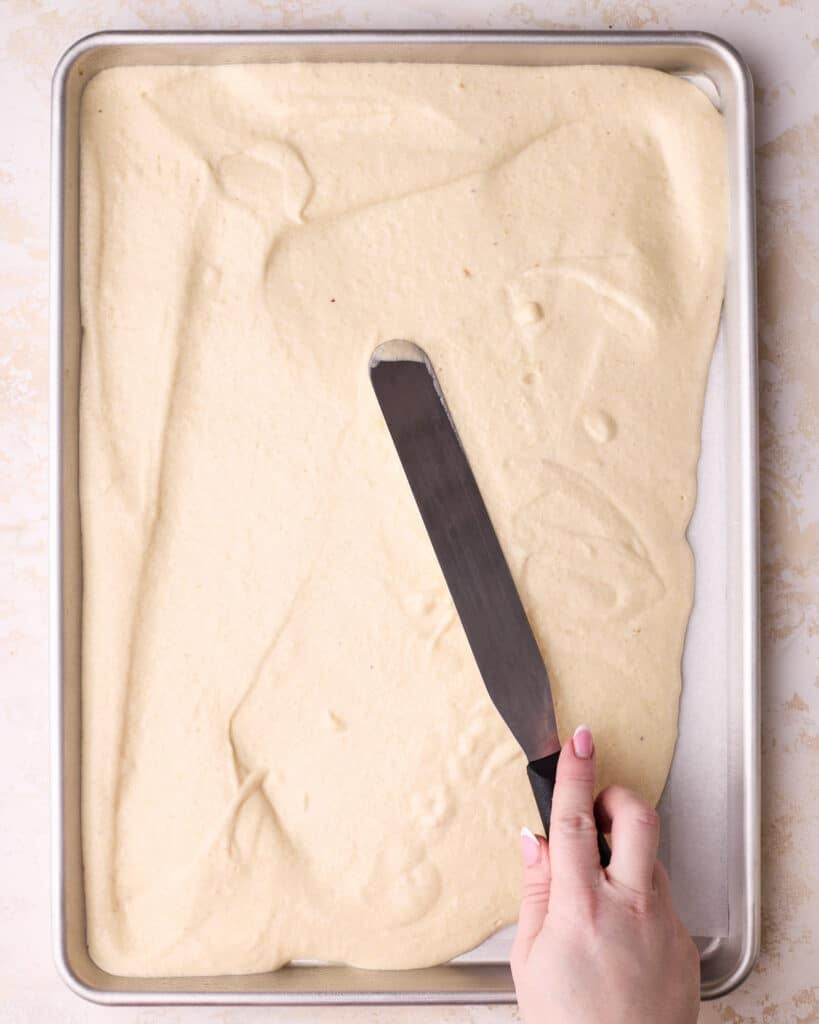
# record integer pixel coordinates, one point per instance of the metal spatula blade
(465, 543)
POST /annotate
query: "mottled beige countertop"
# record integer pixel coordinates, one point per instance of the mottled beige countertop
(780, 40)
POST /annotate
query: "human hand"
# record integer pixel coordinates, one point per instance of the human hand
(597, 946)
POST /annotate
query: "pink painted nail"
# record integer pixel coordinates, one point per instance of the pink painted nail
(583, 742)
(530, 847)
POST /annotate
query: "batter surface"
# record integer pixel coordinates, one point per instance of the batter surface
(287, 749)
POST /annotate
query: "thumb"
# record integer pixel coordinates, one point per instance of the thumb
(534, 902)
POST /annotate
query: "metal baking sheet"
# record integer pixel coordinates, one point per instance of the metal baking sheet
(721, 662)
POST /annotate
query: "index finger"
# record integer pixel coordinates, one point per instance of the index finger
(574, 856)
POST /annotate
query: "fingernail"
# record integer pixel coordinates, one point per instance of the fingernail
(583, 742)
(529, 846)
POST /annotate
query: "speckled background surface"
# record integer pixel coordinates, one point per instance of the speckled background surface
(780, 40)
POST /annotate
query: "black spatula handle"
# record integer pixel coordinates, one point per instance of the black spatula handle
(542, 774)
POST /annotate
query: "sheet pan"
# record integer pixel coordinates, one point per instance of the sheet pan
(718, 752)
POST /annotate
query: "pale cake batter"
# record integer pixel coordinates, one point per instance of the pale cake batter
(288, 751)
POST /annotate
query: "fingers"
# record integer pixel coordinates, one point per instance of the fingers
(635, 832)
(535, 899)
(534, 902)
(662, 884)
(573, 853)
